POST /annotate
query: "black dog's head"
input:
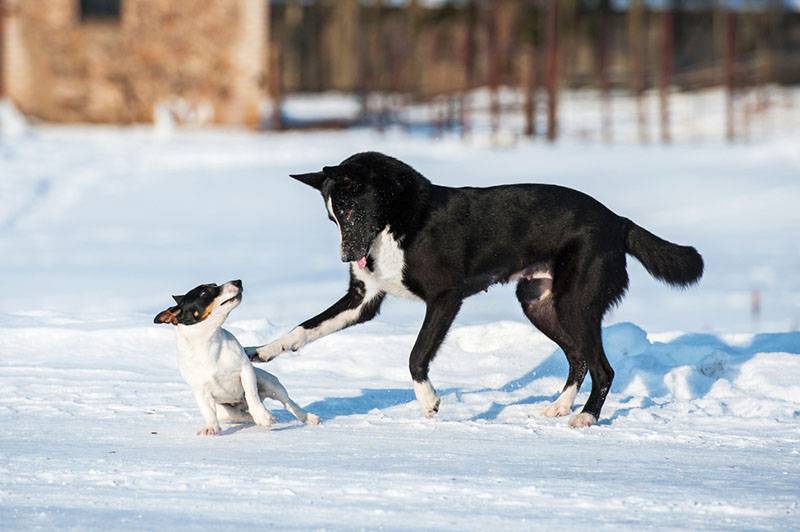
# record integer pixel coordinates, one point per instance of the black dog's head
(363, 195)
(207, 302)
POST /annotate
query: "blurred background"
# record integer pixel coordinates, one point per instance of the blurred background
(650, 71)
(144, 144)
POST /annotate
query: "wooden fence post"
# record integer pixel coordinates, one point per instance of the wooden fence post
(730, 75)
(552, 69)
(665, 77)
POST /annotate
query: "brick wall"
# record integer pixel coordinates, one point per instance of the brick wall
(61, 68)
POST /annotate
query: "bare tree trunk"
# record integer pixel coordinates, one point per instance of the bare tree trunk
(605, 85)
(531, 81)
(468, 62)
(2, 48)
(493, 54)
(276, 84)
(637, 50)
(665, 77)
(552, 69)
(380, 67)
(730, 75)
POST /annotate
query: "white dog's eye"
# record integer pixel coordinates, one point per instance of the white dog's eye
(196, 313)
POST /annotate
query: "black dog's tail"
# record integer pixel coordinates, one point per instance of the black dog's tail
(668, 262)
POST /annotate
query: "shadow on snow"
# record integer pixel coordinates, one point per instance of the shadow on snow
(636, 360)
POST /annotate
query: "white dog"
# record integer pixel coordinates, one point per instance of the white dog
(225, 383)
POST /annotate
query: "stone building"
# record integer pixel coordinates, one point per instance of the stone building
(117, 61)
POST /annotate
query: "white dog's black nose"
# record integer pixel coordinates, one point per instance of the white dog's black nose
(237, 283)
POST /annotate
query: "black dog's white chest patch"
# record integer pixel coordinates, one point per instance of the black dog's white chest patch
(387, 267)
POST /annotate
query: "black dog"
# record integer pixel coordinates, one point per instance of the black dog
(407, 237)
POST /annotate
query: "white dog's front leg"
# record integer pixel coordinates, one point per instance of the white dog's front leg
(209, 410)
(260, 414)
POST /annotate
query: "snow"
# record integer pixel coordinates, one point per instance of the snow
(99, 226)
(12, 123)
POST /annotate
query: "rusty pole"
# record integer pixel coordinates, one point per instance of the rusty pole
(530, 90)
(2, 48)
(730, 75)
(468, 63)
(493, 54)
(605, 84)
(665, 77)
(552, 69)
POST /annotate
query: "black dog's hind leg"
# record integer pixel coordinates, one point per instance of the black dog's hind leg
(438, 318)
(359, 304)
(602, 376)
(598, 282)
(536, 298)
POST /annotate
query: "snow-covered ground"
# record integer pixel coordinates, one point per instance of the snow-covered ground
(98, 226)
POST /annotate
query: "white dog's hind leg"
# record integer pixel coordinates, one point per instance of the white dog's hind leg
(269, 386)
(234, 413)
(260, 414)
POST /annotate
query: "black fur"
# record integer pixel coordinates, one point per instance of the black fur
(459, 241)
(352, 299)
(192, 307)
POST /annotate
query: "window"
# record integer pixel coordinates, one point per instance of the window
(100, 10)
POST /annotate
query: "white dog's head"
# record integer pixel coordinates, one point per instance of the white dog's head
(205, 303)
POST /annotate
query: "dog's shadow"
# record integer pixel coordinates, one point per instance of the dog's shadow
(370, 399)
(634, 357)
(283, 423)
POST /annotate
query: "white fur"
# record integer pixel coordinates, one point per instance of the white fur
(329, 205)
(537, 271)
(427, 398)
(386, 277)
(388, 266)
(582, 420)
(222, 378)
(563, 405)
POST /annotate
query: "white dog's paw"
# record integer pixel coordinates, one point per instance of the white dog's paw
(211, 430)
(582, 420)
(556, 409)
(312, 419)
(427, 398)
(263, 419)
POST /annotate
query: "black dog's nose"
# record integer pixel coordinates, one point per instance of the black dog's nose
(237, 283)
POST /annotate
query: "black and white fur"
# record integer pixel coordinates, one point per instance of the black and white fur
(226, 386)
(404, 236)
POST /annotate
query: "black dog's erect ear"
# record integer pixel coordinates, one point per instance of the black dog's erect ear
(168, 316)
(351, 170)
(314, 179)
(178, 298)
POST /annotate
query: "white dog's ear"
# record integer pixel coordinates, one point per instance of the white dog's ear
(178, 299)
(314, 179)
(168, 316)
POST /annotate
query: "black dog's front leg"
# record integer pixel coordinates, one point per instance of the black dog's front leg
(438, 318)
(358, 305)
